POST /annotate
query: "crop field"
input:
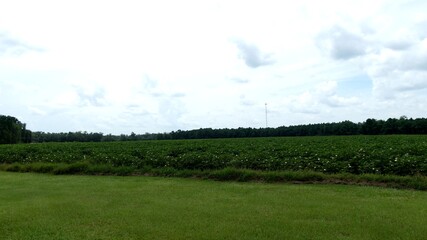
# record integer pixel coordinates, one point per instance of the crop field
(393, 155)
(44, 206)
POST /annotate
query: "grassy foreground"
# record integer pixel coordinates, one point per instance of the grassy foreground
(38, 206)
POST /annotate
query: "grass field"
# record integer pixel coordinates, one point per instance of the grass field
(41, 206)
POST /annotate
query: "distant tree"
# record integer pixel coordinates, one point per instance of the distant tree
(132, 137)
(26, 135)
(371, 127)
(391, 126)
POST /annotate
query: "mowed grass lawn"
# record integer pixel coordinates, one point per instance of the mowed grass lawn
(38, 206)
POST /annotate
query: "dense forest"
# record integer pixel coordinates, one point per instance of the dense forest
(13, 131)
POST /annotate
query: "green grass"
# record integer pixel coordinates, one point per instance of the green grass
(41, 206)
(418, 182)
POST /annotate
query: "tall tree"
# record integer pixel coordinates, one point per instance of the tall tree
(13, 131)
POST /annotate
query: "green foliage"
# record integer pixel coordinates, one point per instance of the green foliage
(67, 137)
(13, 131)
(78, 167)
(227, 174)
(391, 155)
(351, 159)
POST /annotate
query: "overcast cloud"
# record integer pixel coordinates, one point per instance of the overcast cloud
(9, 45)
(157, 66)
(341, 44)
(252, 55)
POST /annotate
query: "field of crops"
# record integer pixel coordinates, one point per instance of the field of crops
(394, 155)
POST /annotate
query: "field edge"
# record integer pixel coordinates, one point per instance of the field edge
(418, 182)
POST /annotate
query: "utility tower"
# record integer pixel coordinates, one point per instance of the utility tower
(266, 120)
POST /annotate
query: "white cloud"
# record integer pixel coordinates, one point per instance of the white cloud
(123, 66)
(398, 70)
(341, 44)
(323, 98)
(14, 47)
(37, 111)
(252, 56)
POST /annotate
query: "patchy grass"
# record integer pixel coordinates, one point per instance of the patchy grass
(227, 174)
(43, 206)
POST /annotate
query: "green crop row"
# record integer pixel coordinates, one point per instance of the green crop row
(394, 155)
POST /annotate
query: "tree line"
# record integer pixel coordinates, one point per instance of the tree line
(38, 137)
(371, 126)
(13, 131)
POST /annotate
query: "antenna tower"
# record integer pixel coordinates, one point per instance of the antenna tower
(266, 120)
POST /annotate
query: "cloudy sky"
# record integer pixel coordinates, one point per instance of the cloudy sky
(157, 66)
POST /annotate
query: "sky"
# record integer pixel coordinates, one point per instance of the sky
(122, 66)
